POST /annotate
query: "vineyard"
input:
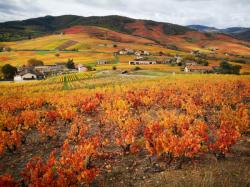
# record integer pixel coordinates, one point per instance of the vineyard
(109, 131)
(72, 81)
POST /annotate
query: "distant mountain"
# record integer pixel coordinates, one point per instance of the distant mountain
(18, 30)
(244, 35)
(203, 28)
(238, 32)
(235, 30)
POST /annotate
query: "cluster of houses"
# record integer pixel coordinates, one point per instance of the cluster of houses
(189, 66)
(128, 51)
(41, 72)
(197, 53)
(177, 60)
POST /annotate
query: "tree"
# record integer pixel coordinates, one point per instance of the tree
(1, 73)
(203, 62)
(8, 71)
(226, 68)
(34, 62)
(70, 64)
(137, 68)
(161, 53)
(236, 69)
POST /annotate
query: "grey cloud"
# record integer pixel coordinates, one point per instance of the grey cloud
(8, 7)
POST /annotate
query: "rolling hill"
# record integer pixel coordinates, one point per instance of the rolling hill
(18, 30)
(117, 29)
(237, 32)
(87, 40)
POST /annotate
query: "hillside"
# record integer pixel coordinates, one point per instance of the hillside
(172, 36)
(237, 32)
(244, 35)
(18, 30)
(75, 37)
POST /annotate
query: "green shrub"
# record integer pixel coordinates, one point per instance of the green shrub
(137, 68)
(226, 68)
(8, 71)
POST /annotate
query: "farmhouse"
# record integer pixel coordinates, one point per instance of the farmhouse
(190, 63)
(141, 52)
(28, 74)
(81, 68)
(100, 62)
(177, 60)
(60, 65)
(139, 58)
(141, 62)
(44, 69)
(162, 62)
(49, 68)
(200, 69)
(126, 51)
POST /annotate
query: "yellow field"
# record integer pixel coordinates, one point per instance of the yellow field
(91, 49)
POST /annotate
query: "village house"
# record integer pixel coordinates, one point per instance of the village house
(60, 65)
(139, 58)
(141, 53)
(194, 52)
(190, 63)
(44, 69)
(82, 68)
(198, 69)
(197, 53)
(162, 62)
(101, 62)
(50, 68)
(141, 62)
(28, 74)
(146, 53)
(126, 51)
(138, 53)
(177, 60)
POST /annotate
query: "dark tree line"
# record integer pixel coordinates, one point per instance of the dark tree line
(226, 68)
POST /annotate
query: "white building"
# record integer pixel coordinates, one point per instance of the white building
(28, 75)
(82, 68)
(100, 62)
(18, 78)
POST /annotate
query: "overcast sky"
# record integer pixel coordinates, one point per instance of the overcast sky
(218, 13)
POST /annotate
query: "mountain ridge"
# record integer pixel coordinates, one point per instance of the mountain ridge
(242, 33)
(25, 29)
